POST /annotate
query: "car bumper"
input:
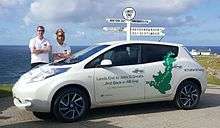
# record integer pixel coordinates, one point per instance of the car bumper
(22, 104)
(31, 97)
(204, 82)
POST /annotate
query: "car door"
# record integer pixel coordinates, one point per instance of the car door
(119, 82)
(158, 61)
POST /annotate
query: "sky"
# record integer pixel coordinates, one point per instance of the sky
(190, 22)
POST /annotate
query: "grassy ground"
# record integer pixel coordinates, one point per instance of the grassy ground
(213, 80)
(5, 90)
(212, 65)
(208, 62)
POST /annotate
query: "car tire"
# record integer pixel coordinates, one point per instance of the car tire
(43, 115)
(187, 95)
(70, 105)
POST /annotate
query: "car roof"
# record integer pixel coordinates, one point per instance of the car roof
(138, 41)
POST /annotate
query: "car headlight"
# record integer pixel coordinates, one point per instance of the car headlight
(46, 73)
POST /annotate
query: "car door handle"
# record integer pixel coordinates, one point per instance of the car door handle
(138, 71)
(177, 66)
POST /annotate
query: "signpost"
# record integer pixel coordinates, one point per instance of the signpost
(141, 21)
(113, 29)
(112, 20)
(147, 31)
(129, 14)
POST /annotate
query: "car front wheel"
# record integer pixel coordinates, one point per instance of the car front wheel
(71, 104)
(187, 95)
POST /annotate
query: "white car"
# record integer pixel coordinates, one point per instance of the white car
(112, 73)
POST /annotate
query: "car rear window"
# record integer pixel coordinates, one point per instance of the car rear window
(155, 52)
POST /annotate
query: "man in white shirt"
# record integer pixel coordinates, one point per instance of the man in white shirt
(39, 48)
(61, 50)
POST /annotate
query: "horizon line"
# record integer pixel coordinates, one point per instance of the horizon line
(90, 45)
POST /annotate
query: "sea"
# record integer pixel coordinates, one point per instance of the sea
(15, 60)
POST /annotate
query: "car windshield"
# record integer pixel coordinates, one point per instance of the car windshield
(82, 55)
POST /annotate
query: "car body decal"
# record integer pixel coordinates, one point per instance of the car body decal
(162, 80)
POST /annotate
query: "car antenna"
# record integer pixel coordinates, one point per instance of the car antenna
(161, 38)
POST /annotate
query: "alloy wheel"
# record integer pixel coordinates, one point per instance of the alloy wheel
(189, 96)
(71, 106)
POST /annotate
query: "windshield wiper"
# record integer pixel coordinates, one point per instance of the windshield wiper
(59, 62)
(73, 60)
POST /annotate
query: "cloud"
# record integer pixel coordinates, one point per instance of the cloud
(10, 3)
(174, 32)
(6, 7)
(7, 4)
(162, 7)
(93, 12)
(210, 31)
(58, 11)
(79, 34)
(175, 21)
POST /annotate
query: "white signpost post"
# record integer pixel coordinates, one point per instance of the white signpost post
(129, 14)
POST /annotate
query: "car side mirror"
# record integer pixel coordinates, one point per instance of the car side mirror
(106, 63)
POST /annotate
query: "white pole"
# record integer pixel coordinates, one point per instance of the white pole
(128, 30)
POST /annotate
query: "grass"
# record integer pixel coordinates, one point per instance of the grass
(5, 90)
(212, 65)
(209, 61)
(213, 80)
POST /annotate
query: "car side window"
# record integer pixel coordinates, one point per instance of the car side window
(155, 52)
(120, 55)
(123, 55)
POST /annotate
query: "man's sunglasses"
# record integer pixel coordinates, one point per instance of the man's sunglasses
(40, 30)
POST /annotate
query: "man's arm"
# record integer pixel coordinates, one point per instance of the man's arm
(57, 56)
(37, 51)
(67, 52)
(66, 55)
(47, 48)
(33, 48)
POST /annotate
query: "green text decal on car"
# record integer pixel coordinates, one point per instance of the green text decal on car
(162, 81)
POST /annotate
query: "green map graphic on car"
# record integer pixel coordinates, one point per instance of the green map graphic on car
(162, 80)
